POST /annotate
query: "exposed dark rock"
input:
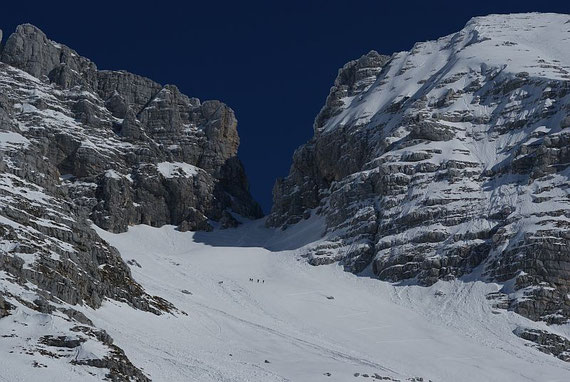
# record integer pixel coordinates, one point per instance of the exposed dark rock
(352, 79)
(228, 221)
(62, 341)
(414, 177)
(546, 342)
(139, 124)
(119, 366)
(81, 146)
(112, 147)
(77, 316)
(5, 307)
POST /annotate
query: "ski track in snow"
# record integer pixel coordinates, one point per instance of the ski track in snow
(225, 331)
(369, 327)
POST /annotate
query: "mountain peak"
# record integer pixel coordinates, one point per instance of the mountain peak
(447, 160)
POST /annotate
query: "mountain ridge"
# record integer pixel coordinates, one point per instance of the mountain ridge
(442, 170)
(80, 147)
(408, 170)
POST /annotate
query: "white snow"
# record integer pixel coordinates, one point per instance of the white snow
(536, 43)
(369, 327)
(9, 139)
(112, 174)
(308, 321)
(22, 359)
(177, 169)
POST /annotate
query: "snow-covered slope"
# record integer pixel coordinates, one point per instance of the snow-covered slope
(81, 146)
(445, 166)
(448, 159)
(305, 321)
(534, 44)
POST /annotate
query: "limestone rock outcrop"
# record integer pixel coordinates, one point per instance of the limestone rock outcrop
(448, 160)
(124, 134)
(82, 148)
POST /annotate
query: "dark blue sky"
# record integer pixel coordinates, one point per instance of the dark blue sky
(273, 62)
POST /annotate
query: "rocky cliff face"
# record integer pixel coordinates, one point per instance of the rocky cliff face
(81, 146)
(131, 150)
(448, 160)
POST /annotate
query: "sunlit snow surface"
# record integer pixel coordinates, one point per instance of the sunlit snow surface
(233, 325)
(306, 321)
(535, 43)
